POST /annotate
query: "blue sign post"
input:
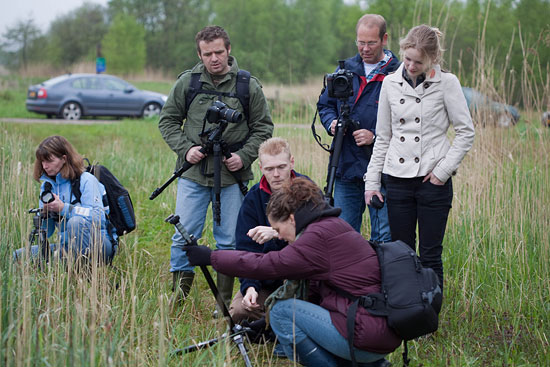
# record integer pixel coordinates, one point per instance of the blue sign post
(100, 65)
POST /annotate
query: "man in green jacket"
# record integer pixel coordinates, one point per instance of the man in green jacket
(218, 81)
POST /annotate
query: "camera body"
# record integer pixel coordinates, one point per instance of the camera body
(340, 83)
(46, 196)
(219, 111)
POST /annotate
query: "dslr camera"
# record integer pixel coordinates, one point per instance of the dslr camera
(219, 111)
(340, 84)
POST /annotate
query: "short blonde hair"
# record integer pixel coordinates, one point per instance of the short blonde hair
(425, 39)
(274, 146)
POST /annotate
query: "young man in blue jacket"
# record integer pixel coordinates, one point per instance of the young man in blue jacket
(254, 233)
(369, 67)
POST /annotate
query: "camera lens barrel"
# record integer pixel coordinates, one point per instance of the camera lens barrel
(219, 111)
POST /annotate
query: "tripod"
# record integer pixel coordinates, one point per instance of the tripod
(343, 125)
(39, 236)
(213, 144)
(236, 332)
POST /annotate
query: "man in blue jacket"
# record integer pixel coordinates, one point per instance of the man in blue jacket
(254, 233)
(369, 67)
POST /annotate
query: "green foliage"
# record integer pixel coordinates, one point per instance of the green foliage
(124, 46)
(20, 37)
(75, 36)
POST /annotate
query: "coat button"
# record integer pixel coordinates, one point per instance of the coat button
(402, 121)
(416, 160)
(402, 138)
(418, 100)
(417, 139)
(401, 160)
(417, 120)
(426, 85)
(402, 100)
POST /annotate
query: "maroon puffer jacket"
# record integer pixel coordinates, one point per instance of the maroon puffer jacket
(330, 251)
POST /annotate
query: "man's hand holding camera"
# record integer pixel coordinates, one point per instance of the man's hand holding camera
(361, 136)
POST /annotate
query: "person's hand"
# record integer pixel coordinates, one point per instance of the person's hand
(55, 206)
(433, 180)
(333, 126)
(370, 193)
(363, 137)
(234, 163)
(198, 255)
(194, 155)
(262, 234)
(249, 299)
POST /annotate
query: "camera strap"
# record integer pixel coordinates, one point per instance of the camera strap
(314, 132)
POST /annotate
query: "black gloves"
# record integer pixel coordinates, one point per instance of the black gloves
(198, 255)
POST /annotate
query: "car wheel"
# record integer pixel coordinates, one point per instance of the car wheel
(71, 111)
(151, 110)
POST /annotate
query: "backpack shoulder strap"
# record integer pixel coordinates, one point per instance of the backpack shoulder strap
(243, 91)
(75, 190)
(193, 89)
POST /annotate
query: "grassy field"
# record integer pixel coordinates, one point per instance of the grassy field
(496, 255)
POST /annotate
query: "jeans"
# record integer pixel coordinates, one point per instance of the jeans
(191, 206)
(293, 320)
(410, 201)
(78, 235)
(350, 197)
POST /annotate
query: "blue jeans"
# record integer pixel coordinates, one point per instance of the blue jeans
(191, 206)
(350, 197)
(293, 320)
(78, 235)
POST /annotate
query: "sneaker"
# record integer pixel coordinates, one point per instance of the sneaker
(278, 351)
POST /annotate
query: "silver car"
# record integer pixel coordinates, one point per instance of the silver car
(72, 96)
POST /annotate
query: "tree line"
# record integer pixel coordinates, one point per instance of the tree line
(288, 41)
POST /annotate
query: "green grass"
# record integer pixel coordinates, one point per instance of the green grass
(496, 256)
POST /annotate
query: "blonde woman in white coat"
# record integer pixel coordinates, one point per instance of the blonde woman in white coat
(417, 105)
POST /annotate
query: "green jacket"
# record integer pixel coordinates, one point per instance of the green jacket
(181, 136)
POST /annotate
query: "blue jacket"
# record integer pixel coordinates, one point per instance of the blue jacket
(90, 206)
(363, 108)
(251, 215)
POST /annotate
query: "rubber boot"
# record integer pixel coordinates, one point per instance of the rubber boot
(225, 289)
(310, 354)
(181, 284)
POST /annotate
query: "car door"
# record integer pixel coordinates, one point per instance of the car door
(90, 93)
(124, 99)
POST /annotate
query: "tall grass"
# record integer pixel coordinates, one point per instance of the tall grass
(496, 260)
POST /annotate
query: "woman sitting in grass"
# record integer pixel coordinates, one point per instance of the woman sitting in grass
(81, 225)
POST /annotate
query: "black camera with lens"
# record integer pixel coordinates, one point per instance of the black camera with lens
(340, 84)
(219, 111)
(47, 196)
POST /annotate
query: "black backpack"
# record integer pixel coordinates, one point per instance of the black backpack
(242, 91)
(121, 210)
(410, 296)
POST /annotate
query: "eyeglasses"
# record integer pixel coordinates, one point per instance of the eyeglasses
(363, 43)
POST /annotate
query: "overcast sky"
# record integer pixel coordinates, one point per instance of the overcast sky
(42, 11)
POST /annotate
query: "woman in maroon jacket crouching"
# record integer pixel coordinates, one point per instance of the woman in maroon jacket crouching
(327, 252)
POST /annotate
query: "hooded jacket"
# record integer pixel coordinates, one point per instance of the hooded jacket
(328, 252)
